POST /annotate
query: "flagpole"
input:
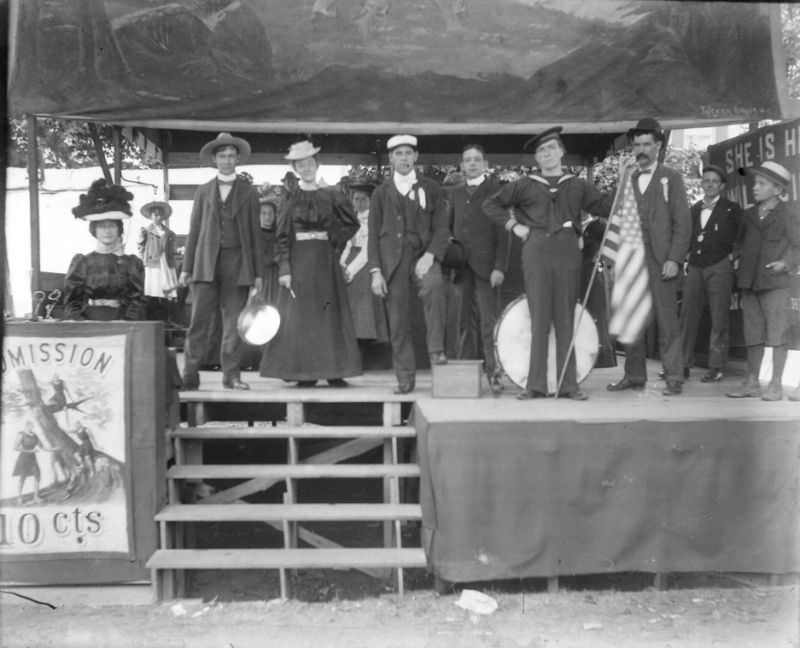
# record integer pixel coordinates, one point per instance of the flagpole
(617, 197)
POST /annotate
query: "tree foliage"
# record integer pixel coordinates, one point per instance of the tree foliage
(67, 144)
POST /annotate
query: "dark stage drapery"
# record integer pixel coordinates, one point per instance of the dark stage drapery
(512, 498)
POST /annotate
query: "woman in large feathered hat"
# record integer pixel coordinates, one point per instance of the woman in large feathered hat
(105, 284)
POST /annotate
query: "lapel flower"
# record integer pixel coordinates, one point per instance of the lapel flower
(665, 187)
(421, 197)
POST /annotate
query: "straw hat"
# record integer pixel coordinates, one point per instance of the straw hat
(401, 140)
(773, 172)
(301, 151)
(147, 210)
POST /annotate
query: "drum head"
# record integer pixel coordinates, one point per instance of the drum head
(512, 344)
(258, 323)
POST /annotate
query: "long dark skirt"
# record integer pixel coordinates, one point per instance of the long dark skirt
(316, 339)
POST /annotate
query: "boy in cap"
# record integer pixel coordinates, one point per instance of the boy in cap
(767, 244)
(486, 246)
(223, 259)
(547, 218)
(709, 274)
(408, 235)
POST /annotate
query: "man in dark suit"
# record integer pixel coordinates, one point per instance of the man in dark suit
(408, 235)
(223, 258)
(666, 227)
(709, 275)
(486, 247)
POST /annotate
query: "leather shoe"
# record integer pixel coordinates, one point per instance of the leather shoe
(530, 395)
(495, 385)
(625, 383)
(438, 358)
(404, 387)
(235, 383)
(712, 375)
(673, 388)
(794, 395)
(773, 392)
(747, 389)
(338, 382)
(306, 383)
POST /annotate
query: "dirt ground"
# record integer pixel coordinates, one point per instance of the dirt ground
(735, 616)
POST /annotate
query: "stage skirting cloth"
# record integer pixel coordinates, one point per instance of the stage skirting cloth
(504, 496)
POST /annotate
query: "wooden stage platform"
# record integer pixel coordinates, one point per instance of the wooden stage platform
(699, 400)
(626, 481)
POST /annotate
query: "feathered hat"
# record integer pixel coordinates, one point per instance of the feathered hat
(104, 201)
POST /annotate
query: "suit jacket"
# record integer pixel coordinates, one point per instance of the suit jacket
(775, 238)
(387, 228)
(664, 215)
(719, 234)
(486, 244)
(202, 244)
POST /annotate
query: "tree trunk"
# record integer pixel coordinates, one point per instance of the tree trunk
(56, 437)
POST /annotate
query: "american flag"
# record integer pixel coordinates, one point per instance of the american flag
(623, 247)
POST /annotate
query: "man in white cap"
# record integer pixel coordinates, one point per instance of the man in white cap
(223, 259)
(767, 245)
(408, 235)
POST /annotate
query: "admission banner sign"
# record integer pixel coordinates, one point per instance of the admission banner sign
(64, 457)
(365, 64)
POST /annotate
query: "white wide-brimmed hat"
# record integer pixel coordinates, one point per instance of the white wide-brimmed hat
(225, 139)
(301, 151)
(147, 210)
(401, 140)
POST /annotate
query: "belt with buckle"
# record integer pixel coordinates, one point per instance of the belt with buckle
(311, 236)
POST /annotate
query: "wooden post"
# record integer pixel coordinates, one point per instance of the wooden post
(117, 142)
(33, 194)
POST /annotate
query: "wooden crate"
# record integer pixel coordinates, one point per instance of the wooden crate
(457, 379)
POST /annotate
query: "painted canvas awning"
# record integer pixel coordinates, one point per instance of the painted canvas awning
(370, 66)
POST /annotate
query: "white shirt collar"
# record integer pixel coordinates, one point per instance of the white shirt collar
(404, 182)
(308, 186)
(363, 215)
(226, 178)
(711, 204)
(474, 182)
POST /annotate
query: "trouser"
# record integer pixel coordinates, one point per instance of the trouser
(711, 285)
(551, 265)
(225, 295)
(398, 300)
(665, 305)
(475, 292)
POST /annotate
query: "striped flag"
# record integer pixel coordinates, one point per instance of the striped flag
(631, 301)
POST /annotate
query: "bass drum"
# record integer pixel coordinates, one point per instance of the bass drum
(512, 344)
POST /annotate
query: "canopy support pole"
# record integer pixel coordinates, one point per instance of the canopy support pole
(33, 197)
(116, 134)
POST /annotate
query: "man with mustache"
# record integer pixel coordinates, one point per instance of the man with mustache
(666, 227)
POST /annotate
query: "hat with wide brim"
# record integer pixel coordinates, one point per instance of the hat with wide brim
(647, 125)
(716, 169)
(147, 210)
(104, 201)
(773, 172)
(455, 256)
(258, 322)
(225, 139)
(537, 140)
(301, 151)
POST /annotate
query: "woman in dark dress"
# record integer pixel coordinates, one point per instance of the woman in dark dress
(105, 284)
(316, 339)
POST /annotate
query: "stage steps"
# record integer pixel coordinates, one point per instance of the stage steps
(178, 552)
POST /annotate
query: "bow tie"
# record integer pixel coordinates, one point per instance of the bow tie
(644, 171)
(226, 183)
